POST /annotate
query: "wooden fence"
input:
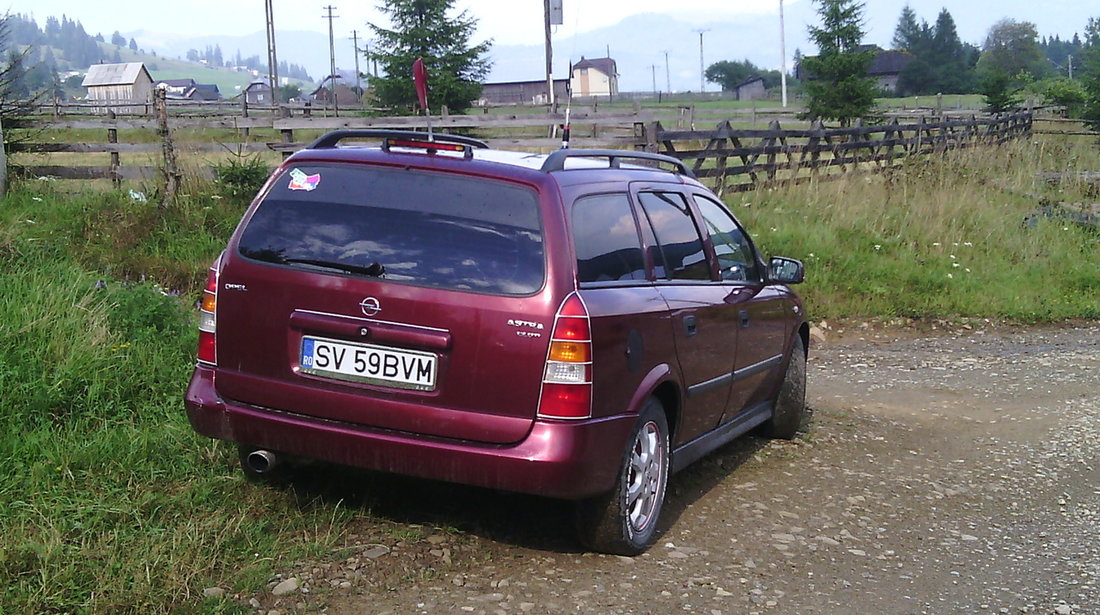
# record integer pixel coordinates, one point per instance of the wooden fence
(728, 157)
(738, 159)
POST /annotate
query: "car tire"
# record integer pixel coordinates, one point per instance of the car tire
(791, 414)
(624, 521)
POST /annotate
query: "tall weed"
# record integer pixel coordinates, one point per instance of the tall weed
(940, 236)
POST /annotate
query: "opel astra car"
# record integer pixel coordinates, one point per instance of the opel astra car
(578, 325)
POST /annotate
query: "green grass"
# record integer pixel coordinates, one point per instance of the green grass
(939, 237)
(109, 503)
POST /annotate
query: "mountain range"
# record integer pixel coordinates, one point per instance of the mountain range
(637, 43)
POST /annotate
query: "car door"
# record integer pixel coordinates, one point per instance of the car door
(704, 323)
(760, 309)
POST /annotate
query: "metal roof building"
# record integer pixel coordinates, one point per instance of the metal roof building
(119, 84)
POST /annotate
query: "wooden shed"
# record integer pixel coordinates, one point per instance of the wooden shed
(119, 84)
(522, 92)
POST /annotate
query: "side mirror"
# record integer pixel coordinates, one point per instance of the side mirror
(783, 270)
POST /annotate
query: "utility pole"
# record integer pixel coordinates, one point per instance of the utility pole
(1070, 58)
(549, 56)
(355, 43)
(668, 81)
(702, 84)
(653, 69)
(272, 61)
(331, 57)
(782, 55)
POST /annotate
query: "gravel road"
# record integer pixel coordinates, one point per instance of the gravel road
(947, 471)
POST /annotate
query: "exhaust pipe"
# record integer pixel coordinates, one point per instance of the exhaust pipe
(261, 461)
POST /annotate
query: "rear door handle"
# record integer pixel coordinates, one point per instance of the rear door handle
(689, 325)
(744, 314)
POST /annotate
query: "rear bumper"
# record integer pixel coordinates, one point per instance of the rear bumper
(567, 460)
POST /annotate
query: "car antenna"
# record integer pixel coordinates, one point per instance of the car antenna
(565, 128)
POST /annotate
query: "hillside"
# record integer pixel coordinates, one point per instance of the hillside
(229, 81)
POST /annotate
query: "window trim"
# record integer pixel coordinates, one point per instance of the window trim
(648, 280)
(755, 253)
(636, 189)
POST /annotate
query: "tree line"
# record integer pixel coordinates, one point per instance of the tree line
(1012, 62)
(212, 55)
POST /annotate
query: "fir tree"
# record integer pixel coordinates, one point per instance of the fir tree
(839, 88)
(1090, 73)
(422, 29)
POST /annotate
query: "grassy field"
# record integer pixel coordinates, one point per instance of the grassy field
(940, 237)
(110, 504)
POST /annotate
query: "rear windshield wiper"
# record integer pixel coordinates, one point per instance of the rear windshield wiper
(374, 270)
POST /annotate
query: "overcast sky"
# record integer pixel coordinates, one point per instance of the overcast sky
(520, 21)
(653, 34)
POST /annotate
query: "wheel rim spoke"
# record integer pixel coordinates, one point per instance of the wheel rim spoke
(644, 476)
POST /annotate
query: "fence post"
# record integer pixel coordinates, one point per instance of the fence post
(116, 161)
(651, 144)
(172, 174)
(244, 113)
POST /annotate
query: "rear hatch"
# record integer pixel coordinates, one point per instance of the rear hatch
(389, 297)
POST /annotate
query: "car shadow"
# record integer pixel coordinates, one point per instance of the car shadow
(526, 521)
(521, 520)
(700, 478)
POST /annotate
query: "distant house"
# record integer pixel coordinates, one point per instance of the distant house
(258, 93)
(119, 84)
(204, 91)
(187, 89)
(344, 95)
(750, 89)
(175, 88)
(885, 68)
(595, 77)
(522, 93)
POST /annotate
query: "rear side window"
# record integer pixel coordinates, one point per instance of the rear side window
(415, 227)
(679, 240)
(606, 239)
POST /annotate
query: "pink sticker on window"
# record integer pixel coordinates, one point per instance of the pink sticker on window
(301, 181)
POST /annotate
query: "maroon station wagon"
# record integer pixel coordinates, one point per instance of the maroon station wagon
(576, 325)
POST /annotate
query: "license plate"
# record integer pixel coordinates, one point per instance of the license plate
(403, 369)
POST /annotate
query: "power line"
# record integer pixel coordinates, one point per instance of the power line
(272, 61)
(668, 81)
(355, 44)
(331, 57)
(702, 84)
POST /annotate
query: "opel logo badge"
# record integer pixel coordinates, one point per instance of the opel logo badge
(370, 306)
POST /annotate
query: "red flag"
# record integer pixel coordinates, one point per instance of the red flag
(420, 77)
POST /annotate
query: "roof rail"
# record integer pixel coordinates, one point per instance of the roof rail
(556, 160)
(329, 140)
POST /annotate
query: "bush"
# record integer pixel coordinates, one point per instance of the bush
(1063, 92)
(241, 177)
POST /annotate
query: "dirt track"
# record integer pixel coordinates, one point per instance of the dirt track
(946, 472)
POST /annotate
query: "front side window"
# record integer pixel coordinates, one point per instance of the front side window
(605, 237)
(681, 246)
(731, 247)
(401, 225)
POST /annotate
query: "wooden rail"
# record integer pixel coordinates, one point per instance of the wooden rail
(727, 157)
(738, 159)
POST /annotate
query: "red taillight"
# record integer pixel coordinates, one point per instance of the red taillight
(208, 320)
(567, 380)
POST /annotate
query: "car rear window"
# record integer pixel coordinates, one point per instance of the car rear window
(401, 225)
